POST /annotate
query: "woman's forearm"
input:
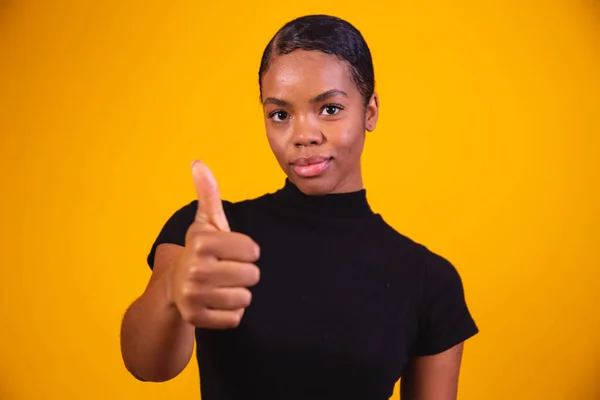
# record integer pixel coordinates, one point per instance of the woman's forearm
(156, 343)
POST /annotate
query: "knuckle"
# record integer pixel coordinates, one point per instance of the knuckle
(199, 319)
(199, 244)
(193, 296)
(188, 292)
(202, 242)
(200, 272)
(188, 316)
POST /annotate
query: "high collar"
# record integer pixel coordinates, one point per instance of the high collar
(341, 205)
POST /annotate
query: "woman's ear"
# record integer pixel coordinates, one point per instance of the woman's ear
(372, 113)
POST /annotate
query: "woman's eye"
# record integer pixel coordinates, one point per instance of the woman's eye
(278, 116)
(331, 109)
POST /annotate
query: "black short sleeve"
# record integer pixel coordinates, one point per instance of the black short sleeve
(444, 320)
(174, 229)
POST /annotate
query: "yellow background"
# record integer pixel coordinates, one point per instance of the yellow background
(487, 151)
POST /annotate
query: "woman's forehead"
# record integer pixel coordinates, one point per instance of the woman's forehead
(307, 73)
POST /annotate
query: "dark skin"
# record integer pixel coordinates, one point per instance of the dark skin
(312, 108)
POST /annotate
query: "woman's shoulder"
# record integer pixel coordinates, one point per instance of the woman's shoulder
(434, 263)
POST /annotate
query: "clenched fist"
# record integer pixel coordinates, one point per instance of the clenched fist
(209, 284)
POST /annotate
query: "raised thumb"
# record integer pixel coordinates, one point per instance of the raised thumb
(210, 206)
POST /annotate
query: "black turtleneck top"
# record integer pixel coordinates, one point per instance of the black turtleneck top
(343, 303)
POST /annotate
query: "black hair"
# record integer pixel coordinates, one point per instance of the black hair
(331, 35)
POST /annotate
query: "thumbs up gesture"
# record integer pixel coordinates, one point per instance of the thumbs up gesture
(209, 284)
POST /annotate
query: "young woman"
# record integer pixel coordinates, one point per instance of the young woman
(304, 293)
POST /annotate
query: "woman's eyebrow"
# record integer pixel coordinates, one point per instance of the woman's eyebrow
(317, 99)
(276, 101)
(325, 95)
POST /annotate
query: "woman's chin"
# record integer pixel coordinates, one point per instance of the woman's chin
(316, 186)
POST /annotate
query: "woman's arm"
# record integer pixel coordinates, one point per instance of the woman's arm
(156, 343)
(433, 377)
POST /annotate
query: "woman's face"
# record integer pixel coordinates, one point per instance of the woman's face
(316, 119)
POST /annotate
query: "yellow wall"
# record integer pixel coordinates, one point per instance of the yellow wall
(487, 151)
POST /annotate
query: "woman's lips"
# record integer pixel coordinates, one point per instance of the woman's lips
(310, 167)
